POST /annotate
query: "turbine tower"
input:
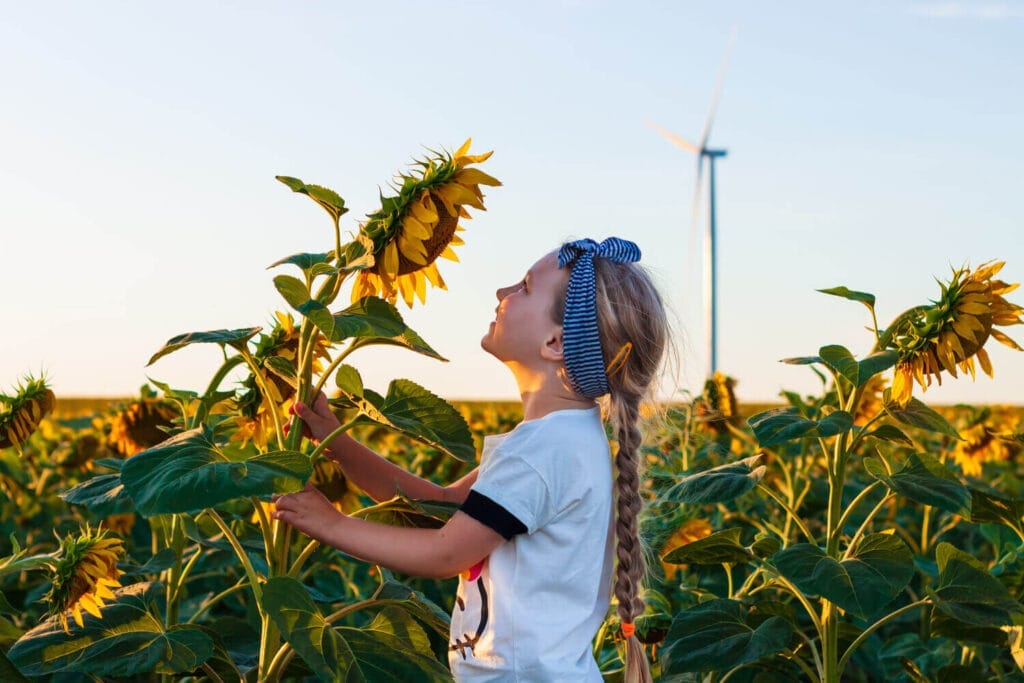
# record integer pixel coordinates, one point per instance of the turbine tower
(708, 155)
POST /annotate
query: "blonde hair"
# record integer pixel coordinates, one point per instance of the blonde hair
(634, 332)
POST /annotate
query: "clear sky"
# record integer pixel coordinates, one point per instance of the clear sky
(870, 144)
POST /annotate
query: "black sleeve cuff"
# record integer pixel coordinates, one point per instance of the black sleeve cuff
(490, 514)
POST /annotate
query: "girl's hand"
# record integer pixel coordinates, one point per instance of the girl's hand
(307, 510)
(319, 420)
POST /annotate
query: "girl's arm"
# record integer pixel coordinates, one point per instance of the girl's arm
(378, 477)
(431, 553)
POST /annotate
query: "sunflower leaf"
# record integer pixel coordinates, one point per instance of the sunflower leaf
(966, 591)
(103, 495)
(718, 635)
(296, 294)
(718, 484)
(778, 425)
(373, 321)
(188, 473)
(305, 261)
(988, 508)
(720, 547)
(233, 338)
(129, 639)
(863, 297)
(917, 414)
(328, 199)
(925, 480)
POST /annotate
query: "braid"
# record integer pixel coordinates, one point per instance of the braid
(630, 569)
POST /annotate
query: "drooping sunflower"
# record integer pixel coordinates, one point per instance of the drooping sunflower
(84, 575)
(987, 437)
(140, 424)
(871, 403)
(951, 333)
(413, 229)
(21, 414)
(254, 421)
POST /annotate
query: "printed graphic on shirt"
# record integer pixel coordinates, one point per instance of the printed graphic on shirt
(473, 581)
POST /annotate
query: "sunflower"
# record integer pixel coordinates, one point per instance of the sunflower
(951, 332)
(140, 424)
(988, 437)
(22, 413)
(254, 421)
(84, 574)
(871, 402)
(688, 532)
(717, 405)
(412, 230)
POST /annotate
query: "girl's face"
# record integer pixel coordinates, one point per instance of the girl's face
(522, 324)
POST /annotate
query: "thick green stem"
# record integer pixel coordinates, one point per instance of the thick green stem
(303, 556)
(330, 369)
(257, 589)
(207, 604)
(830, 643)
(864, 525)
(203, 409)
(330, 437)
(855, 502)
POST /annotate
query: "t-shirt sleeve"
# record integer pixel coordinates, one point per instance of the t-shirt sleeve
(511, 496)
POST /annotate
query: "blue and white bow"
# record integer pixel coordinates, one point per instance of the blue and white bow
(581, 342)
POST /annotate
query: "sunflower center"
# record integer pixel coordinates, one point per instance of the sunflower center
(444, 230)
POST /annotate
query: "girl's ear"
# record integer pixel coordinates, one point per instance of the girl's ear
(552, 347)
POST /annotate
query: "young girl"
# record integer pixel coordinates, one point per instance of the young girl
(534, 538)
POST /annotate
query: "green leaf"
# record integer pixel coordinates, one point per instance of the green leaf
(857, 372)
(966, 591)
(408, 512)
(188, 473)
(719, 484)
(306, 262)
(413, 601)
(283, 368)
(130, 639)
(917, 414)
(7, 671)
(876, 572)
(328, 199)
(296, 294)
(719, 548)
(376, 652)
(779, 425)
(349, 380)
(765, 545)
(233, 338)
(801, 360)
(863, 297)
(925, 480)
(988, 508)
(718, 635)
(891, 434)
(103, 495)
(417, 413)
(373, 321)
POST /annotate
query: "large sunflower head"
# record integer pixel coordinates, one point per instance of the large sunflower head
(141, 424)
(21, 413)
(254, 421)
(413, 229)
(84, 574)
(949, 334)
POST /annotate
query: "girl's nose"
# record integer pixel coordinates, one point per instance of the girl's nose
(502, 292)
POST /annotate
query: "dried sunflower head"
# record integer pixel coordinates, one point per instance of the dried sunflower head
(21, 413)
(951, 333)
(84, 574)
(413, 229)
(141, 423)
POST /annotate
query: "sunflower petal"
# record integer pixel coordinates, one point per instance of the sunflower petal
(414, 227)
(474, 176)
(390, 261)
(1002, 338)
(449, 254)
(985, 361)
(421, 286)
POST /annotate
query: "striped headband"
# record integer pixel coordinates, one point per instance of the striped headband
(581, 343)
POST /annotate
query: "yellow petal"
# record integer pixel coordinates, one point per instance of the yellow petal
(455, 194)
(1002, 338)
(474, 176)
(985, 361)
(90, 606)
(407, 288)
(902, 386)
(972, 308)
(421, 286)
(434, 275)
(76, 612)
(464, 147)
(449, 254)
(456, 241)
(424, 210)
(413, 250)
(390, 262)
(413, 227)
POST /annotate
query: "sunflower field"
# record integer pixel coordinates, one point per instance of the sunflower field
(855, 534)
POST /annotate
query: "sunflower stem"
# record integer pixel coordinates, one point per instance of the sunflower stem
(203, 410)
(271, 408)
(327, 373)
(789, 511)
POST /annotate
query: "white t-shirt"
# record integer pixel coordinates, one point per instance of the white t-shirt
(530, 611)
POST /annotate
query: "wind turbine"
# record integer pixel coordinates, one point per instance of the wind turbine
(708, 155)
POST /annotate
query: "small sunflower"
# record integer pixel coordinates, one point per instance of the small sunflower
(84, 574)
(254, 421)
(412, 230)
(871, 403)
(140, 424)
(952, 332)
(22, 413)
(688, 532)
(988, 437)
(717, 405)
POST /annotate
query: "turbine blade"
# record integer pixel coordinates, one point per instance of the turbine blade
(674, 139)
(693, 263)
(717, 92)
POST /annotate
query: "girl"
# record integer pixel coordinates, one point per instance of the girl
(534, 538)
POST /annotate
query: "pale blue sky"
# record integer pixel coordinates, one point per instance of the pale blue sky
(871, 144)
